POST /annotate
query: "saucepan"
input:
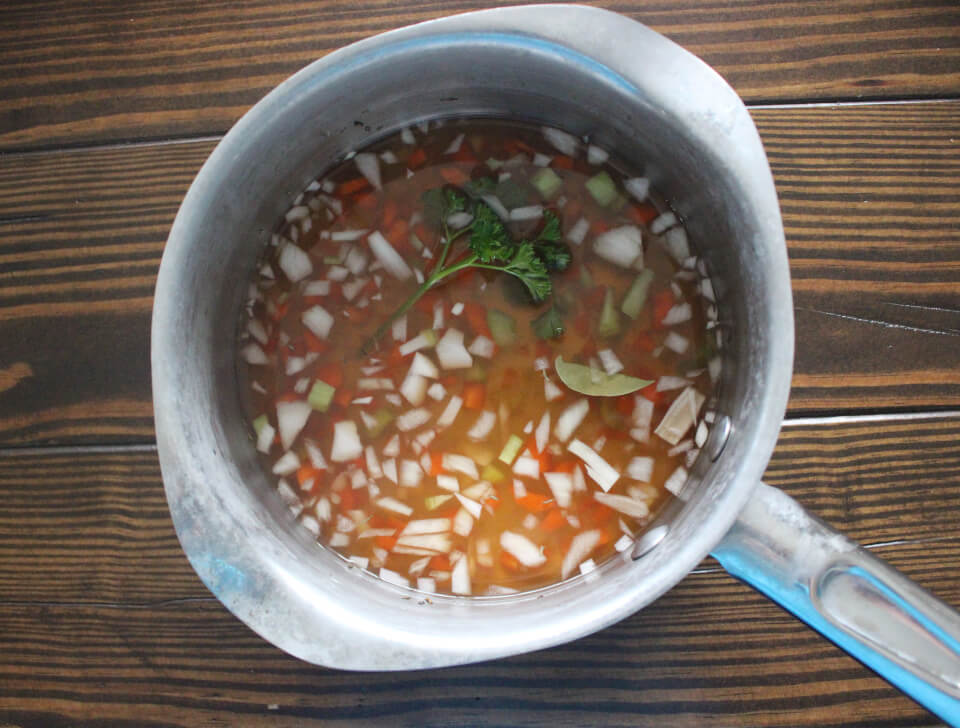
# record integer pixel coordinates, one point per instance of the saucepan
(590, 72)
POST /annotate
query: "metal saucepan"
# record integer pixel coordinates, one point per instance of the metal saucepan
(590, 72)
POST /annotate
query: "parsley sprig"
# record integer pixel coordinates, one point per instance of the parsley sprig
(489, 246)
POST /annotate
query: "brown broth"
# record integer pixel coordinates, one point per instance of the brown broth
(342, 501)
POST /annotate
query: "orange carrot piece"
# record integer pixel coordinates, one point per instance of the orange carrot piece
(535, 502)
(474, 395)
(562, 161)
(386, 542)
(436, 463)
(352, 185)
(390, 211)
(306, 473)
(417, 158)
(553, 520)
(454, 175)
(332, 374)
(644, 213)
(510, 562)
(440, 562)
(662, 302)
(314, 343)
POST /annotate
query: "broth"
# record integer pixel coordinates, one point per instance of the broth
(473, 444)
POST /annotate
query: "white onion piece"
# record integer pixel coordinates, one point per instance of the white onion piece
(373, 463)
(369, 166)
(578, 232)
(286, 464)
(410, 473)
(436, 391)
(418, 566)
(493, 202)
(392, 262)
(608, 359)
(542, 433)
(642, 411)
(623, 543)
(522, 548)
(570, 419)
(482, 346)
(426, 525)
(551, 391)
(621, 246)
(713, 366)
(392, 448)
(374, 383)
(436, 543)
(346, 442)
(392, 577)
(638, 187)
(675, 482)
(316, 457)
(295, 214)
(454, 146)
(680, 416)
(337, 273)
(640, 468)
(701, 435)
(663, 222)
(579, 480)
(414, 388)
(682, 447)
(529, 522)
(460, 464)
(295, 263)
(561, 485)
(561, 141)
(678, 314)
(356, 261)
(597, 468)
(451, 351)
(420, 341)
(265, 438)
(460, 578)
(399, 329)
(412, 419)
(425, 438)
(317, 288)
(541, 364)
(459, 220)
(667, 383)
(352, 288)
(482, 427)
(463, 523)
(587, 566)
(257, 331)
(291, 418)
(624, 504)
(530, 212)
(375, 532)
(706, 289)
(519, 489)
(596, 155)
(541, 160)
(473, 508)
(677, 243)
(676, 342)
(448, 482)
(347, 236)
(390, 470)
(450, 412)
(318, 320)
(424, 367)
(406, 136)
(580, 547)
(527, 466)
(392, 504)
(253, 354)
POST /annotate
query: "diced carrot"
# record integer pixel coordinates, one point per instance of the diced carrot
(573, 209)
(644, 342)
(451, 382)
(348, 499)
(352, 185)
(395, 358)
(644, 213)
(398, 233)
(474, 394)
(535, 502)
(440, 562)
(390, 210)
(314, 343)
(662, 303)
(306, 473)
(465, 154)
(532, 445)
(493, 503)
(366, 201)
(562, 161)
(279, 311)
(599, 226)
(651, 393)
(386, 542)
(436, 463)
(476, 316)
(454, 175)
(553, 520)
(546, 462)
(417, 157)
(564, 466)
(343, 396)
(331, 373)
(624, 404)
(510, 562)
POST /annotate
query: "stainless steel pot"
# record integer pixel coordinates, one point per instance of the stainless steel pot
(590, 72)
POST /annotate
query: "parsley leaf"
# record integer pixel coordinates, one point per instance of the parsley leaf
(531, 271)
(549, 324)
(556, 256)
(489, 239)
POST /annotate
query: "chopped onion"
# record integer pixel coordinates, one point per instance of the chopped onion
(680, 448)
(522, 548)
(392, 577)
(713, 366)
(450, 412)
(448, 482)
(265, 437)
(410, 473)
(706, 289)
(528, 428)
(483, 426)
(530, 212)
(482, 346)
(460, 464)
(317, 288)
(414, 388)
(541, 364)
(561, 485)
(678, 314)
(459, 220)
(623, 543)
(701, 435)
(374, 383)
(346, 442)
(392, 504)
(473, 508)
(597, 468)
(392, 262)
(392, 448)
(295, 263)
(621, 246)
(436, 391)
(390, 470)
(316, 457)
(318, 320)
(427, 543)
(373, 464)
(676, 343)
(675, 482)
(680, 416)
(454, 146)
(406, 136)
(663, 222)
(339, 540)
(596, 155)
(421, 526)
(337, 273)
(587, 566)
(295, 214)
(542, 433)
(399, 329)
(640, 468)
(579, 480)
(286, 464)
(427, 584)
(423, 366)
(519, 489)
(527, 466)
(352, 288)
(551, 391)
(423, 340)
(611, 364)
(425, 437)
(463, 523)
(541, 160)
(369, 166)
(311, 524)
(639, 187)
(451, 351)
(257, 331)
(666, 383)
(562, 141)
(529, 522)
(413, 419)
(348, 236)
(388, 157)
(418, 566)
(291, 417)
(375, 532)
(460, 578)
(624, 504)
(494, 203)
(570, 419)
(677, 244)
(578, 232)
(253, 354)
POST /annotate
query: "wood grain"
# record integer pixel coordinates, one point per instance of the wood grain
(101, 618)
(871, 203)
(83, 72)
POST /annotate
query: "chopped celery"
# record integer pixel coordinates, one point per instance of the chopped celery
(602, 188)
(586, 279)
(382, 417)
(494, 164)
(435, 501)
(609, 318)
(549, 324)
(476, 373)
(430, 335)
(331, 259)
(636, 296)
(617, 203)
(321, 395)
(491, 473)
(502, 327)
(510, 450)
(547, 182)
(259, 423)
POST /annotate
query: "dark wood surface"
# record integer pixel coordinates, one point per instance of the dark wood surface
(107, 110)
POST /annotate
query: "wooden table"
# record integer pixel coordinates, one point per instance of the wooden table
(107, 110)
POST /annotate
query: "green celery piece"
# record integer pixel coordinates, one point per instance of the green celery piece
(609, 318)
(547, 182)
(549, 324)
(259, 424)
(321, 395)
(602, 188)
(435, 501)
(476, 373)
(383, 417)
(502, 327)
(636, 296)
(491, 473)
(510, 451)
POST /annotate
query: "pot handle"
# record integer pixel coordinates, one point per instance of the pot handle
(854, 599)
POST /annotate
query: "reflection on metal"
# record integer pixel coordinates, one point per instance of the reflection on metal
(649, 540)
(719, 436)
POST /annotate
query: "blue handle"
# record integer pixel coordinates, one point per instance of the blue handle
(854, 599)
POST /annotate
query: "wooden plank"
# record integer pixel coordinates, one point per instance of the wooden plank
(871, 203)
(101, 618)
(82, 72)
